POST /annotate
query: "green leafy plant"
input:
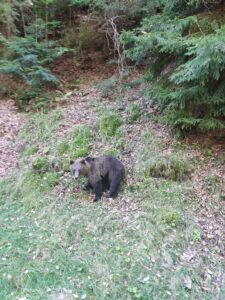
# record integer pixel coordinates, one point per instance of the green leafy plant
(81, 139)
(109, 124)
(170, 167)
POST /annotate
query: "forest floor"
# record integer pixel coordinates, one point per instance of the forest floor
(162, 238)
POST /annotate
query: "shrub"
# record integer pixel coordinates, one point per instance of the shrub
(171, 219)
(81, 139)
(27, 60)
(168, 167)
(41, 164)
(187, 69)
(52, 178)
(109, 124)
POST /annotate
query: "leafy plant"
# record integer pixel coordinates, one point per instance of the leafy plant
(109, 124)
(168, 167)
(81, 139)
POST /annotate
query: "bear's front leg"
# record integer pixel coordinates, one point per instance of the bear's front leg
(98, 190)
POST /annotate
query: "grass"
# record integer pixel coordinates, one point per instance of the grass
(99, 251)
(81, 139)
(109, 124)
(56, 245)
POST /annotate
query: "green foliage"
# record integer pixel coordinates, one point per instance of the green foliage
(207, 59)
(111, 152)
(66, 165)
(187, 69)
(30, 150)
(27, 59)
(63, 147)
(134, 113)
(85, 36)
(52, 178)
(170, 167)
(80, 3)
(41, 164)
(108, 125)
(171, 219)
(81, 139)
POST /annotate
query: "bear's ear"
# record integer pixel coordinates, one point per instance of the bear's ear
(71, 162)
(89, 159)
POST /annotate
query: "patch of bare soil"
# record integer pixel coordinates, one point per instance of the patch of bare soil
(83, 71)
(10, 123)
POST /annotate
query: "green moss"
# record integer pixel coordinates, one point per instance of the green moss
(41, 164)
(109, 124)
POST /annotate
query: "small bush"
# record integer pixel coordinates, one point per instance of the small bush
(52, 178)
(41, 165)
(25, 96)
(85, 36)
(81, 140)
(109, 124)
(169, 167)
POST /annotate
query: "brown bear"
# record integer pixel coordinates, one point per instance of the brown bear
(103, 172)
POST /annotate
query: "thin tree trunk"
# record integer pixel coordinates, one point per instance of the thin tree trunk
(23, 20)
(8, 21)
(46, 22)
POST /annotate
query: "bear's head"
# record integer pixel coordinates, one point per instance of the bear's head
(80, 166)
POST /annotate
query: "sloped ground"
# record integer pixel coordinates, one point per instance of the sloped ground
(161, 239)
(11, 121)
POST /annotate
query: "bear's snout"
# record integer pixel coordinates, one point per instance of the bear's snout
(76, 175)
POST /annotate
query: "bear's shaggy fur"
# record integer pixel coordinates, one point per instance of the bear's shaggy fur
(103, 172)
